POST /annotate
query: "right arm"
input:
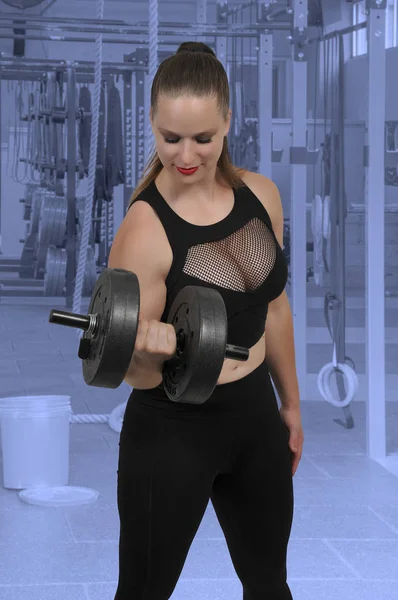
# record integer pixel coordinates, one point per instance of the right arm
(135, 249)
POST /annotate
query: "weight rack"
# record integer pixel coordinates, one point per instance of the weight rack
(73, 73)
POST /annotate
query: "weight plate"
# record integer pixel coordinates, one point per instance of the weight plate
(55, 273)
(199, 317)
(90, 273)
(26, 266)
(28, 201)
(36, 208)
(116, 302)
(59, 221)
(52, 223)
(40, 261)
(52, 228)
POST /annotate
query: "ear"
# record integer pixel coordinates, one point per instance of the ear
(228, 123)
(151, 116)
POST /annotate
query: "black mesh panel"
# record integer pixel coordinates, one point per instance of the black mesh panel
(240, 262)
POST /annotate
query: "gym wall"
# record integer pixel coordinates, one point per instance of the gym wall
(356, 102)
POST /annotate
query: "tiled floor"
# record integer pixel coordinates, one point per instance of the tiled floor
(344, 542)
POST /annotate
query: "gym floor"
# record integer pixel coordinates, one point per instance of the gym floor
(344, 540)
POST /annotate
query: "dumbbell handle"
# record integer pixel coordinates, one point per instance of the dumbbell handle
(86, 322)
(236, 352)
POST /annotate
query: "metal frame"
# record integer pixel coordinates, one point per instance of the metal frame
(32, 70)
(265, 94)
(140, 120)
(134, 65)
(374, 233)
(213, 30)
(108, 24)
(375, 189)
(298, 161)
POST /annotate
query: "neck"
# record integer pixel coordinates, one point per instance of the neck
(202, 192)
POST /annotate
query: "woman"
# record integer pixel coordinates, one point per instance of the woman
(195, 219)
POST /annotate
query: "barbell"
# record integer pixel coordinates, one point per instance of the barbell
(198, 315)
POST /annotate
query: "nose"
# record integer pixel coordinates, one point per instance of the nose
(187, 155)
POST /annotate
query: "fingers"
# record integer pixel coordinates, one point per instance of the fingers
(155, 338)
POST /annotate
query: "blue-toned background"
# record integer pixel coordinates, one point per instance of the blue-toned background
(344, 541)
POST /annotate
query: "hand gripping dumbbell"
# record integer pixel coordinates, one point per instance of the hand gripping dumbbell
(197, 314)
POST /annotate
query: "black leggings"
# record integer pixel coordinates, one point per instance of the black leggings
(173, 458)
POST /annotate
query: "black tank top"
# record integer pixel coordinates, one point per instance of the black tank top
(239, 257)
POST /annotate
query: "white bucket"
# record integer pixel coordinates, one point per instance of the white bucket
(35, 441)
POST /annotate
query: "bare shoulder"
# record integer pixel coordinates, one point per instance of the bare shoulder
(263, 187)
(266, 191)
(142, 217)
(142, 222)
(268, 194)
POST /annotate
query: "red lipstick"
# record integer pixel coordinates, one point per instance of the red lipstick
(187, 171)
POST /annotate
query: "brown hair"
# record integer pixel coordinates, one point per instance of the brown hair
(194, 69)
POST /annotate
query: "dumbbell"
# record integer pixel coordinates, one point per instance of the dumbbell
(198, 315)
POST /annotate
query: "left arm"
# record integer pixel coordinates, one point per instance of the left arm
(279, 338)
(280, 353)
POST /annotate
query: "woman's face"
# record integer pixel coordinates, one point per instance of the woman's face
(189, 133)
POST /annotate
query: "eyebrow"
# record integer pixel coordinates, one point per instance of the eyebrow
(208, 132)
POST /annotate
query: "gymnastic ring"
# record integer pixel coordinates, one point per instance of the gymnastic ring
(324, 383)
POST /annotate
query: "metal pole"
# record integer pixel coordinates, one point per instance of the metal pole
(164, 42)
(201, 19)
(265, 13)
(167, 28)
(134, 30)
(201, 15)
(201, 11)
(298, 220)
(75, 29)
(128, 140)
(59, 65)
(9, 16)
(64, 38)
(265, 89)
(55, 31)
(340, 200)
(374, 231)
(71, 187)
(139, 84)
(36, 75)
(221, 44)
(338, 33)
(108, 23)
(221, 41)
(1, 153)
(239, 7)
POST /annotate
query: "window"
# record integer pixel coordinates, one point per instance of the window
(359, 38)
(391, 23)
